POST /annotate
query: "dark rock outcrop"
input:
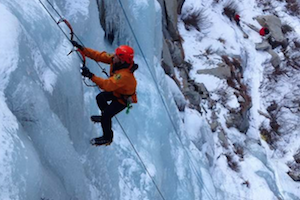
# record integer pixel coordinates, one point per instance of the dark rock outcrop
(297, 157)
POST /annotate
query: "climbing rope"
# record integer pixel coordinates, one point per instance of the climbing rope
(82, 57)
(139, 157)
(61, 19)
(103, 70)
(163, 100)
(169, 114)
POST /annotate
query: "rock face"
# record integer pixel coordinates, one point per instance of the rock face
(231, 70)
(173, 54)
(173, 57)
(297, 157)
(222, 71)
(238, 120)
(272, 40)
(294, 166)
(190, 91)
(274, 24)
(109, 27)
(265, 46)
(179, 6)
(167, 61)
(172, 43)
(275, 60)
(295, 175)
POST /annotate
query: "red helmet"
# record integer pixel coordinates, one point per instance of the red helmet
(125, 53)
(264, 31)
(237, 17)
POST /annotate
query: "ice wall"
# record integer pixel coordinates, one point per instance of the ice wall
(45, 108)
(40, 86)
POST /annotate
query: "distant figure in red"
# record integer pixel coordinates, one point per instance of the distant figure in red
(264, 31)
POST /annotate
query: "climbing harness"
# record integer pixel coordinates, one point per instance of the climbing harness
(129, 106)
(128, 100)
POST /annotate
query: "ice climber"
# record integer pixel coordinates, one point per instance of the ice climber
(119, 88)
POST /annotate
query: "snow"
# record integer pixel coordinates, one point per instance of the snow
(45, 108)
(9, 33)
(76, 7)
(257, 167)
(139, 6)
(8, 126)
(192, 123)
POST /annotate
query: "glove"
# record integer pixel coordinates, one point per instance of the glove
(75, 44)
(86, 72)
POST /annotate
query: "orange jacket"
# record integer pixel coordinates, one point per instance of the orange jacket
(121, 82)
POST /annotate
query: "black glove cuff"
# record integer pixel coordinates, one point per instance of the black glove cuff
(76, 44)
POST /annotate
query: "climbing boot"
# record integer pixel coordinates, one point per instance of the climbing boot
(101, 141)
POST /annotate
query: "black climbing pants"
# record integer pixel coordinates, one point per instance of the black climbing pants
(108, 111)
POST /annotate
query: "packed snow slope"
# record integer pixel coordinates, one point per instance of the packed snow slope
(245, 165)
